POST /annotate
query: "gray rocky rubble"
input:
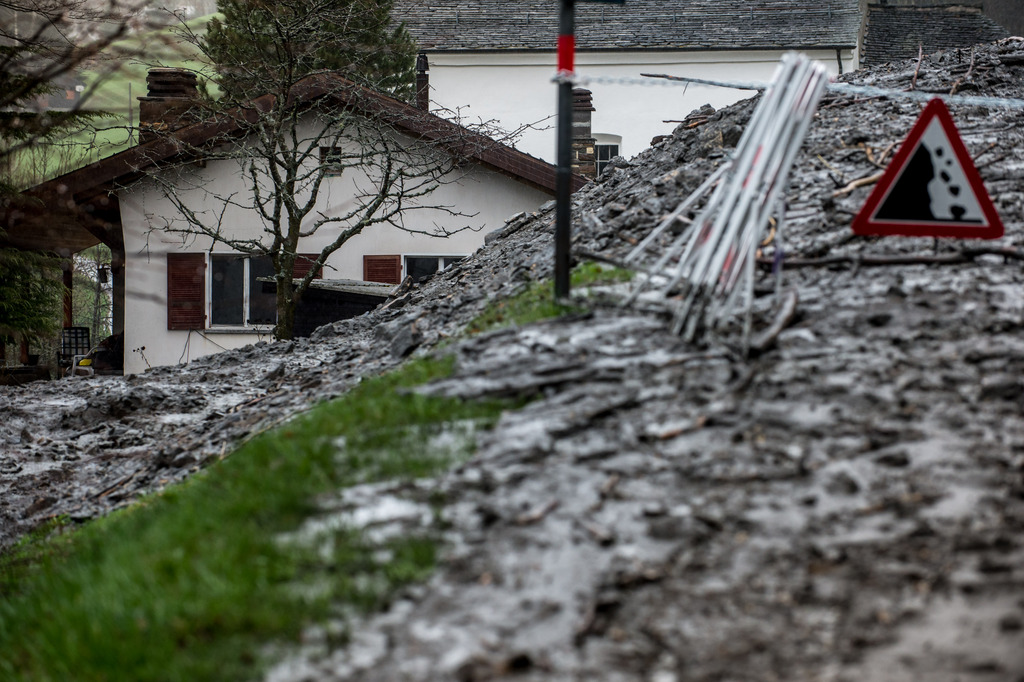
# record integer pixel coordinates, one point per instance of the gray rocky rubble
(846, 505)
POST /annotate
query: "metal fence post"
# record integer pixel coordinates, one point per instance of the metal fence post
(563, 187)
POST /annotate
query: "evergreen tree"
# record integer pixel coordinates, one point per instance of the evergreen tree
(260, 45)
(37, 48)
(31, 292)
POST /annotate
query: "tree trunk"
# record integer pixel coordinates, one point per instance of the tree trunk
(285, 305)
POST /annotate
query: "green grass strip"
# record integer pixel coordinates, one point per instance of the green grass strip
(537, 302)
(192, 584)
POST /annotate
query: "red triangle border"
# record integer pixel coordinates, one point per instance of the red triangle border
(865, 225)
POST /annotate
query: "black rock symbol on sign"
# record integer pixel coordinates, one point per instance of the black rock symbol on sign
(928, 189)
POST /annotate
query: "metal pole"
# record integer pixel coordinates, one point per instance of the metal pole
(563, 177)
(131, 118)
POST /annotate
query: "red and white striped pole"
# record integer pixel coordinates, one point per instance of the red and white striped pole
(563, 177)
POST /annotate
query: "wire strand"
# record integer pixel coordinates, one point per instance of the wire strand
(665, 80)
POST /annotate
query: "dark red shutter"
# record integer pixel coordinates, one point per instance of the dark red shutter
(303, 264)
(186, 291)
(385, 269)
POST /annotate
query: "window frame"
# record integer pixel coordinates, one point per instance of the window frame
(332, 168)
(599, 163)
(604, 141)
(441, 266)
(189, 293)
(246, 294)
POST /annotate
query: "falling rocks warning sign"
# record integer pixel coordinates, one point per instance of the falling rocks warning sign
(931, 188)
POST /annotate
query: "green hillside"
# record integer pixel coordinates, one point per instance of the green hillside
(112, 87)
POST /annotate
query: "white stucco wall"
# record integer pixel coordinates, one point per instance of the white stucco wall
(515, 89)
(486, 197)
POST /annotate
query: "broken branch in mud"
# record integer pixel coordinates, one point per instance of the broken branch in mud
(608, 487)
(848, 100)
(917, 69)
(537, 514)
(985, 151)
(602, 535)
(859, 182)
(967, 76)
(880, 161)
(787, 312)
(109, 489)
(966, 255)
(603, 258)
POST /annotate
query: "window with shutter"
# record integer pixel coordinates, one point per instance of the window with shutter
(238, 297)
(242, 293)
(227, 289)
(384, 269)
(186, 291)
(303, 263)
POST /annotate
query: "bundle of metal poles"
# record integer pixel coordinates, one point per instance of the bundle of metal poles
(709, 267)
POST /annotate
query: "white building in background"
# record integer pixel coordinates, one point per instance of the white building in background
(493, 61)
(178, 299)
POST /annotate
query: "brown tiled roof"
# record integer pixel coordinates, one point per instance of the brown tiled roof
(448, 25)
(79, 209)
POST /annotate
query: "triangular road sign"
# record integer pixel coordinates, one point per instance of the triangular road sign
(931, 188)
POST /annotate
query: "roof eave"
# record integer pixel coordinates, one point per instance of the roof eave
(663, 48)
(188, 142)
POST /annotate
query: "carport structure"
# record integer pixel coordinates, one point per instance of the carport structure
(66, 217)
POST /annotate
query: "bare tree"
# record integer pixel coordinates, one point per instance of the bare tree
(292, 120)
(391, 156)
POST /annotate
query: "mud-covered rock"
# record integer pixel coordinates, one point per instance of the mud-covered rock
(846, 505)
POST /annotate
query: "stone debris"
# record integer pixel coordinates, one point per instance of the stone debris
(847, 504)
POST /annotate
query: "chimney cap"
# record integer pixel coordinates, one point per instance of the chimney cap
(171, 83)
(583, 100)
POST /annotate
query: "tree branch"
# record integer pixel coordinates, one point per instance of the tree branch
(965, 255)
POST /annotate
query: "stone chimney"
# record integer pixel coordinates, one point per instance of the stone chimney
(422, 82)
(172, 92)
(584, 160)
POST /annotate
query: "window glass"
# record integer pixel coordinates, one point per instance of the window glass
(420, 267)
(331, 159)
(227, 289)
(604, 154)
(262, 299)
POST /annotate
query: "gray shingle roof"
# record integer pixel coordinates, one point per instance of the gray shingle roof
(894, 33)
(637, 24)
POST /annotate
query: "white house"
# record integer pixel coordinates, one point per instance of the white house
(494, 61)
(179, 297)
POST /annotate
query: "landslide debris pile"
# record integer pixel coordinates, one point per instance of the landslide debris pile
(847, 505)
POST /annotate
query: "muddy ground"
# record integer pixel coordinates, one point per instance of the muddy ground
(847, 505)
